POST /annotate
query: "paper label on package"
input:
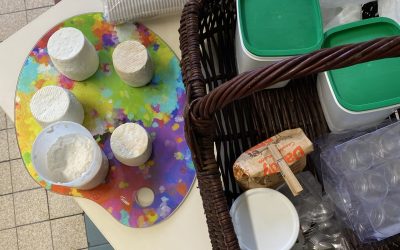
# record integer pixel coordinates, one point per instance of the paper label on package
(257, 168)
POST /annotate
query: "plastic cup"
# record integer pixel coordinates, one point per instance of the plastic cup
(392, 173)
(371, 187)
(97, 171)
(358, 156)
(385, 218)
(390, 142)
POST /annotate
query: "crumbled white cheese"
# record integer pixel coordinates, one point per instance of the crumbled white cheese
(70, 157)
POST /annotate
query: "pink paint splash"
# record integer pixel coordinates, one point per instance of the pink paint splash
(65, 82)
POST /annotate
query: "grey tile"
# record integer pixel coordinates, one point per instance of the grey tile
(13, 144)
(21, 180)
(94, 236)
(3, 123)
(32, 4)
(8, 6)
(4, 146)
(69, 233)
(102, 247)
(10, 23)
(35, 236)
(32, 14)
(31, 206)
(7, 218)
(8, 239)
(5, 178)
(9, 122)
(61, 205)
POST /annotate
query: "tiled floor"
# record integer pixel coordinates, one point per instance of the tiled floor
(31, 217)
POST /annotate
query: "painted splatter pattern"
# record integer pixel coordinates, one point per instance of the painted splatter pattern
(109, 102)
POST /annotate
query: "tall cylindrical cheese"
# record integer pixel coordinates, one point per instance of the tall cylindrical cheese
(133, 63)
(72, 54)
(131, 144)
(52, 103)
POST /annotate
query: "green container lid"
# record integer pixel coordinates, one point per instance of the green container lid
(280, 27)
(370, 85)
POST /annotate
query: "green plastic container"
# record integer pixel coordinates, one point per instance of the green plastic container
(365, 94)
(371, 85)
(273, 28)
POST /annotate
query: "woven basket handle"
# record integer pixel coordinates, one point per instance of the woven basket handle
(295, 67)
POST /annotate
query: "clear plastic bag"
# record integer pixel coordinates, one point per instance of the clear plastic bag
(338, 12)
(362, 178)
(121, 11)
(389, 8)
(341, 3)
(347, 14)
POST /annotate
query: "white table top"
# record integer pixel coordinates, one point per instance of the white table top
(186, 229)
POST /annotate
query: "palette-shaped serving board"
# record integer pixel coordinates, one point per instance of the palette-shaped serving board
(109, 102)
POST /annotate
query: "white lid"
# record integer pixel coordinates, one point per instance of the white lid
(265, 219)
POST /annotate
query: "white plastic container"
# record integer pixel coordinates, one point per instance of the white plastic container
(340, 119)
(51, 104)
(264, 218)
(72, 54)
(247, 61)
(269, 31)
(97, 171)
(362, 95)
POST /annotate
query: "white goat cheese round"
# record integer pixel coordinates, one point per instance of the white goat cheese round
(72, 54)
(131, 144)
(132, 63)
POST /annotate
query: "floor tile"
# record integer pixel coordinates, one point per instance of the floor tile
(5, 178)
(35, 236)
(8, 6)
(94, 236)
(3, 146)
(13, 144)
(102, 247)
(10, 124)
(21, 180)
(69, 233)
(8, 239)
(61, 205)
(32, 4)
(31, 206)
(3, 123)
(10, 23)
(7, 218)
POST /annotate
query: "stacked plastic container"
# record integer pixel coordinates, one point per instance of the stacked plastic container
(362, 178)
(365, 94)
(269, 31)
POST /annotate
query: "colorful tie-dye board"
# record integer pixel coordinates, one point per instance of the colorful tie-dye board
(109, 102)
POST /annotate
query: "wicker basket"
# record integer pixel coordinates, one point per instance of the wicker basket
(236, 112)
